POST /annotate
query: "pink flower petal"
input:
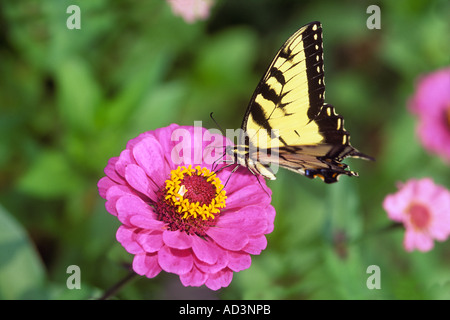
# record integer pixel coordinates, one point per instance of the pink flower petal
(127, 237)
(248, 219)
(439, 231)
(414, 240)
(228, 238)
(103, 185)
(432, 92)
(146, 222)
(119, 191)
(177, 239)
(142, 136)
(150, 241)
(111, 172)
(247, 196)
(191, 10)
(270, 214)
(194, 278)
(394, 208)
(255, 244)
(113, 194)
(175, 261)
(222, 262)
(147, 153)
(137, 178)
(125, 159)
(164, 137)
(146, 264)
(129, 206)
(220, 279)
(238, 261)
(205, 250)
(239, 180)
(424, 189)
(188, 147)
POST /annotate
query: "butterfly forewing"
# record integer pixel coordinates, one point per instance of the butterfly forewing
(291, 93)
(287, 117)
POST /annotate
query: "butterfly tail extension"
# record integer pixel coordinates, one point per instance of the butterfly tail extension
(331, 126)
(360, 155)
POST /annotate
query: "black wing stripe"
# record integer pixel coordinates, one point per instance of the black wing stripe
(270, 94)
(313, 48)
(260, 117)
(278, 75)
(286, 53)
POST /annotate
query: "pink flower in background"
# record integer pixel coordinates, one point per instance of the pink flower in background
(424, 209)
(431, 103)
(176, 214)
(191, 10)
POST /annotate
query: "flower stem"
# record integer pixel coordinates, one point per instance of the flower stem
(118, 286)
(392, 226)
(376, 232)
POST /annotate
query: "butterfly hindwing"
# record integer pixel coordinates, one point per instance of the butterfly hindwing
(288, 120)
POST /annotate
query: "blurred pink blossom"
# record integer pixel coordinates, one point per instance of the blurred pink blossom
(424, 209)
(431, 103)
(191, 10)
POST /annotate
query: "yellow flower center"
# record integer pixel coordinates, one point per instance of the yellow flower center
(191, 199)
(195, 192)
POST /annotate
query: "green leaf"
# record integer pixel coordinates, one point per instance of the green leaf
(79, 94)
(22, 274)
(50, 176)
(344, 208)
(226, 59)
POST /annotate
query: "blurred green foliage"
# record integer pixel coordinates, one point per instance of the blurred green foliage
(71, 99)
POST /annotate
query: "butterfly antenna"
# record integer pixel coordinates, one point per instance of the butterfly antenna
(224, 167)
(217, 124)
(214, 164)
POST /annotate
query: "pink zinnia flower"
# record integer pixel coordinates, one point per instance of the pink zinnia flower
(424, 209)
(191, 10)
(176, 214)
(431, 103)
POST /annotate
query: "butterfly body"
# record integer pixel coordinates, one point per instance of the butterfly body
(287, 122)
